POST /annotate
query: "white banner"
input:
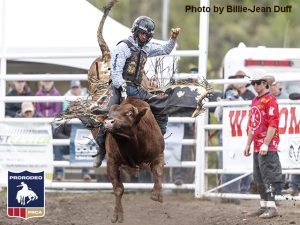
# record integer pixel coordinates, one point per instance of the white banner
(235, 120)
(173, 143)
(25, 146)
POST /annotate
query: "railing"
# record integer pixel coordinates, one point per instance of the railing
(199, 142)
(38, 77)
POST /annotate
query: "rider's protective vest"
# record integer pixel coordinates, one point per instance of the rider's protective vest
(135, 64)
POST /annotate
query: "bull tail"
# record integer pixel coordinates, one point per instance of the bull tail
(106, 56)
(98, 74)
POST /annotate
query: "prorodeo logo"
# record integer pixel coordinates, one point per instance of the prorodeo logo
(294, 150)
(26, 194)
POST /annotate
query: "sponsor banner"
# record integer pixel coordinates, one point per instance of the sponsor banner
(26, 194)
(235, 120)
(82, 144)
(173, 144)
(26, 146)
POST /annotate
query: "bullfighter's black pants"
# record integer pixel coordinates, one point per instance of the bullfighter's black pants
(267, 174)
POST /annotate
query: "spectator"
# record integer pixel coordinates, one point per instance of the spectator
(18, 88)
(48, 109)
(244, 92)
(186, 175)
(294, 185)
(63, 132)
(27, 111)
(231, 94)
(75, 90)
(276, 88)
(193, 69)
(234, 92)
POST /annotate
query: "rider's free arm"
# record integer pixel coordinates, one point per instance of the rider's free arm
(156, 49)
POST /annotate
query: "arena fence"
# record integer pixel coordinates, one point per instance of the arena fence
(60, 77)
(200, 142)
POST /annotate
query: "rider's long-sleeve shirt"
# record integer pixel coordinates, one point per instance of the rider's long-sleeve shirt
(122, 52)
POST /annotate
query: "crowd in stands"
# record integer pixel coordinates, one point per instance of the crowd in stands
(46, 109)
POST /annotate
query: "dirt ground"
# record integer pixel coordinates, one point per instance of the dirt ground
(95, 208)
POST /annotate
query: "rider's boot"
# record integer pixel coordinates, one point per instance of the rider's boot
(101, 152)
(90, 122)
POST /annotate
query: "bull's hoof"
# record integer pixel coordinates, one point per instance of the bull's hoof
(117, 217)
(157, 196)
(97, 164)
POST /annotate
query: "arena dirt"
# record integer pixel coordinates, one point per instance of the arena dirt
(180, 209)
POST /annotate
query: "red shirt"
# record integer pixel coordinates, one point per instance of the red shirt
(263, 114)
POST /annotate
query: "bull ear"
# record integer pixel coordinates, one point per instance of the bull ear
(140, 114)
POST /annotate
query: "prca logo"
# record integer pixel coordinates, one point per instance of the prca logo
(26, 194)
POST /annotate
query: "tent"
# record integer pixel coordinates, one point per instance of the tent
(57, 27)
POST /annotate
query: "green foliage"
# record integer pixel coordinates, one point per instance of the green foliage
(226, 30)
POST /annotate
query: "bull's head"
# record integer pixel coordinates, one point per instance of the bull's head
(122, 119)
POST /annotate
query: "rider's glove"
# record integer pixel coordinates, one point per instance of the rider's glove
(94, 106)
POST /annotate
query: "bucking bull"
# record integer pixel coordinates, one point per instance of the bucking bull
(133, 139)
(133, 142)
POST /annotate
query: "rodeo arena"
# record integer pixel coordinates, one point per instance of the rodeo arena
(69, 156)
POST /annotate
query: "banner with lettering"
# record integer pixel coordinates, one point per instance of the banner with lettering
(235, 120)
(82, 145)
(25, 146)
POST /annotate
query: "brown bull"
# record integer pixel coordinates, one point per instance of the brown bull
(133, 142)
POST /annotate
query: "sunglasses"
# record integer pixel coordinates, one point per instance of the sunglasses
(257, 82)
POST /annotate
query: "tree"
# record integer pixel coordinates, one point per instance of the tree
(227, 30)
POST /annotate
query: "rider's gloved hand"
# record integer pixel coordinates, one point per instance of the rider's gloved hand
(123, 91)
(94, 106)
